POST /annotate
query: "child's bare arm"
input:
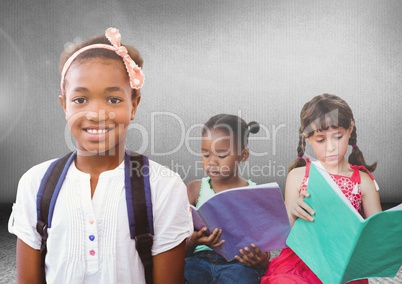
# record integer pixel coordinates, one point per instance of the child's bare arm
(370, 196)
(28, 264)
(168, 267)
(193, 191)
(294, 201)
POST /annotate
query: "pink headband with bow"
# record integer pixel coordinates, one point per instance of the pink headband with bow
(113, 35)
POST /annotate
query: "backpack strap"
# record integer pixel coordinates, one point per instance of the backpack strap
(139, 209)
(138, 199)
(46, 199)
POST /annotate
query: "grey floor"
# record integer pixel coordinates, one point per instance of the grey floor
(7, 253)
(7, 248)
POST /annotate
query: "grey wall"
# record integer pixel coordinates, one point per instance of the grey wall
(259, 59)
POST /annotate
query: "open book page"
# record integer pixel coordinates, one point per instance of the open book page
(340, 246)
(197, 220)
(326, 244)
(378, 251)
(252, 214)
(335, 188)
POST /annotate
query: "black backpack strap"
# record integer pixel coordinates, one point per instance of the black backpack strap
(139, 207)
(45, 201)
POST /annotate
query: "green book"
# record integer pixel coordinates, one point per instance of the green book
(341, 246)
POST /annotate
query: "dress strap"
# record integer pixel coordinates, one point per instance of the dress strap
(355, 178)
(307, 174)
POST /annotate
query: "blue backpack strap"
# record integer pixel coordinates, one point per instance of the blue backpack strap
(49, 190)
(147, 190)
(46, 199)
(139, 208)
(138, 199)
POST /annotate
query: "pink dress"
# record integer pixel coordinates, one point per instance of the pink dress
(288, 267)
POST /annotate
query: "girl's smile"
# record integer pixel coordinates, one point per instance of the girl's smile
(98, 104)
(97, 134)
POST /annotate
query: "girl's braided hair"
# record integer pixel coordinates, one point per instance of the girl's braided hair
(324, 112)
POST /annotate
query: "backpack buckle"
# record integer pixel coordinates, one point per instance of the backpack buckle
(41, 227)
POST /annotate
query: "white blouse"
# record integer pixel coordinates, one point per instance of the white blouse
(89, 240)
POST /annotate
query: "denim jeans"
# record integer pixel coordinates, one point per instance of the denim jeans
(208, 267)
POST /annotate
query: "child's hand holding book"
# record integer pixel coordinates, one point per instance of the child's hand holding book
(202, 237)
(253, 256)
(300, 209)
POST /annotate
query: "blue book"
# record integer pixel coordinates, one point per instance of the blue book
(251, 214)
(341, 246)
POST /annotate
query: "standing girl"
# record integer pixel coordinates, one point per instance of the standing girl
(327, 123)
(223, 148)
(89, 240)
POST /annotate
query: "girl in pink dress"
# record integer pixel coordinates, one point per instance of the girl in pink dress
(328, 125)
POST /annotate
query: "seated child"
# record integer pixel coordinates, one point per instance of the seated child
(328, 125)
(223, 148)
